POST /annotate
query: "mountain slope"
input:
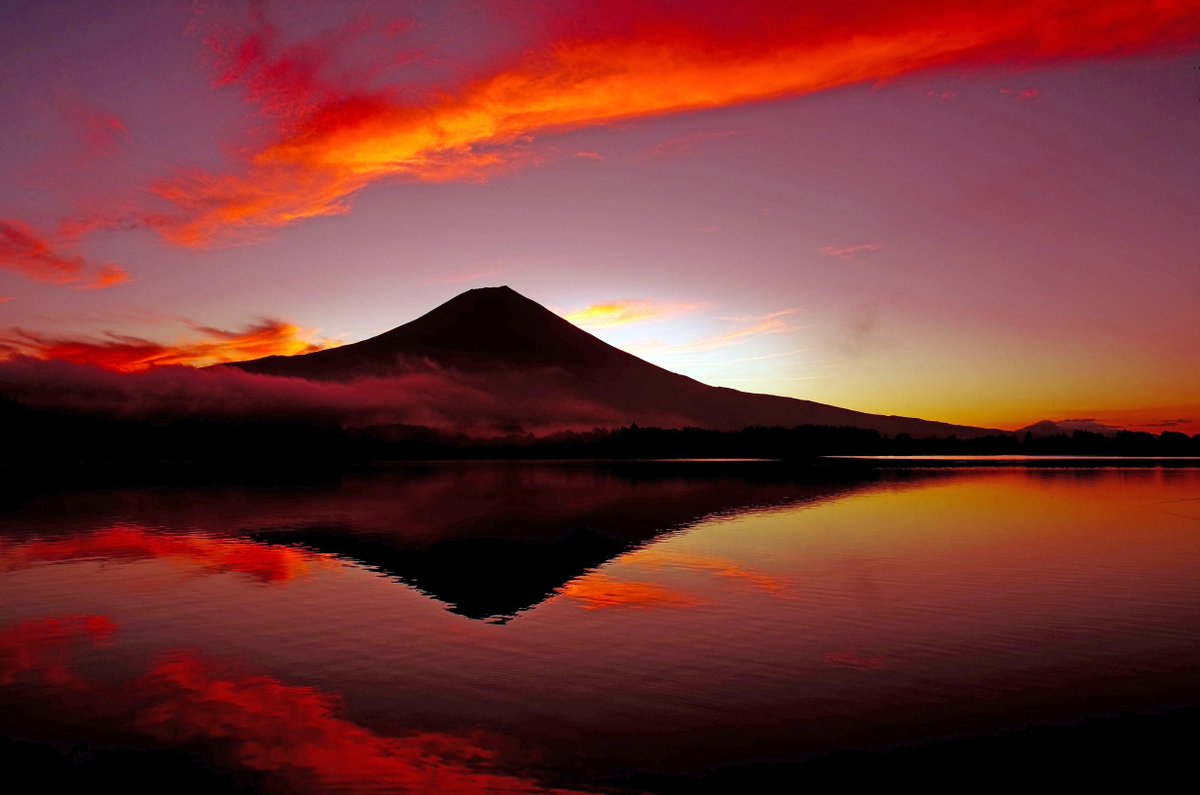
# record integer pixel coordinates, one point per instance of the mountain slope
(500, 338)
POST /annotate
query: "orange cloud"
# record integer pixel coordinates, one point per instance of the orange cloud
(599, 591)
(127, 354)
(24, 252)
(622, 313)
(329, 143)
(263, 562)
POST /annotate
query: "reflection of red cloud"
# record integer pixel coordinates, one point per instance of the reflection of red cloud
(652, 558)
(294, 733)
(599, 591)
(331, 141)
(262, 562)
(39, 647)
(850, 659)
(254, 723)
(125, 354)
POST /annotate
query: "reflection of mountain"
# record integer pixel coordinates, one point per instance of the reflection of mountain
(510, 545)
(481, 578)
(518, 347)
(488, 540)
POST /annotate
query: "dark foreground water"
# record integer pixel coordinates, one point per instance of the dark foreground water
(524, 628)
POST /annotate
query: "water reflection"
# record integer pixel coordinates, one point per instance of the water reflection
(662, 623)
(488, 541)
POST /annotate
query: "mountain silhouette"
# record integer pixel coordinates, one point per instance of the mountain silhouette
(1068, 427)
(509, 341)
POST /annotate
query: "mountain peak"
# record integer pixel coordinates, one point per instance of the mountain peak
(484, 327)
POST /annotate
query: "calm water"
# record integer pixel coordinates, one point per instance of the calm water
(517, 628)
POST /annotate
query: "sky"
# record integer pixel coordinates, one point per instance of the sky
(976, 213)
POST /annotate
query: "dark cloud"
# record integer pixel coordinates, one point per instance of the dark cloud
(419, 394)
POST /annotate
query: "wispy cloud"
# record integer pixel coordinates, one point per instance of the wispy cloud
(627, 312)
(25, 252)
(1021, 94)
(589, 155)
(849, 252)
(100, 133)
(747, 328)
(684, 145)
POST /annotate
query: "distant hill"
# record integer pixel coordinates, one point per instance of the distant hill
(1068, 427)
(501, 338)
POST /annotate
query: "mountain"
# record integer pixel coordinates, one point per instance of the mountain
(498, 338)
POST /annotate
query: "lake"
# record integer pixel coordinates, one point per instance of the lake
(583, 627)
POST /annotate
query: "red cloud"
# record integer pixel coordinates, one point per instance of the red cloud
(101, 133)
(602, 63)
(128, 354)
(23, 251)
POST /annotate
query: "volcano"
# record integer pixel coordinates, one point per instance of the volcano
(496, 336)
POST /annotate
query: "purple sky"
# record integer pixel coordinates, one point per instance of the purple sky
(986, 217)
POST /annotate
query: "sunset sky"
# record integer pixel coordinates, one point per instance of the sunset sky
(979, 213)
